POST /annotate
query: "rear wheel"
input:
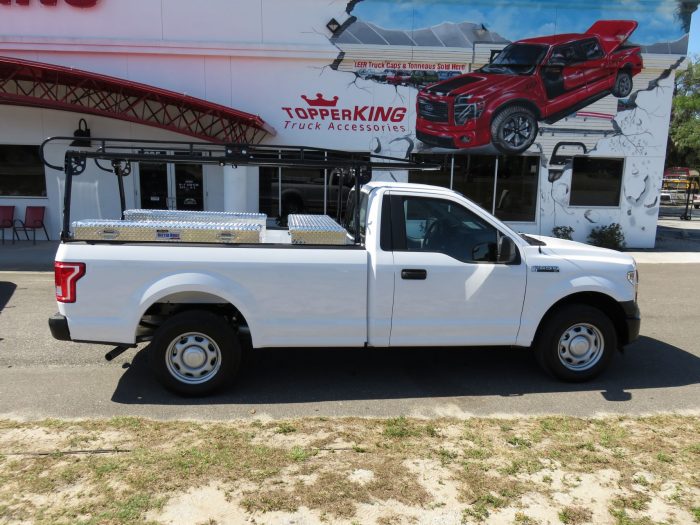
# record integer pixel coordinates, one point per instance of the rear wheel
(576, 343)
(623, 84)
(195, 352)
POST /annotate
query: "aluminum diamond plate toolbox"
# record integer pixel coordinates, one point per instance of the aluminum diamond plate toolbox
(315, 229)
(167, 231)
(195, 216)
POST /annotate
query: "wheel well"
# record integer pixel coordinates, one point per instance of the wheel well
(602, 302)
(519, 102)
(627, 68)
(160, 311)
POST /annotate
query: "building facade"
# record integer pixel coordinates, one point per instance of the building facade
(545, 113)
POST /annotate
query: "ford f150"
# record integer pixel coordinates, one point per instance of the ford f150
(423, 266)
(537, 79)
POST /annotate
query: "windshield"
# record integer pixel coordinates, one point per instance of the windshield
(516, 59)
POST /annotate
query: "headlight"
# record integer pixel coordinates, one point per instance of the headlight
(467, 108)
(633, 278)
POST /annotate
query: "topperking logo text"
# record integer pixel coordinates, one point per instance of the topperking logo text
(325, 114)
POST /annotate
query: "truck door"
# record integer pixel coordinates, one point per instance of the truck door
(449, 289)
(598, 73)
(563, 77)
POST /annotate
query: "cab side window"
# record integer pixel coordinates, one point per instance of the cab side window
(443, 226)
(590, 49)
(564, 56)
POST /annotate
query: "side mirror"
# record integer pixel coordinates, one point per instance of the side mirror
(507, 250)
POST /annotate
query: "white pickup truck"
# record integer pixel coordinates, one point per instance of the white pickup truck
(431, 268)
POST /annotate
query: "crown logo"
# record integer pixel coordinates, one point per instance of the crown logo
(320, 101)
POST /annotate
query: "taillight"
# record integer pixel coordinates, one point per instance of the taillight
(66, 275)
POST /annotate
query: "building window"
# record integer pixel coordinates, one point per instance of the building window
(302, 190)
(21, 172)
(516, 188)
(442, 177)
(504, 185)
(596, 181)
(474, 177)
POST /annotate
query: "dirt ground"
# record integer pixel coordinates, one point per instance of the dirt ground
(620, 470)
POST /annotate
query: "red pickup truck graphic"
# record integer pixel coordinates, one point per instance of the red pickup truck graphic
(537, 79)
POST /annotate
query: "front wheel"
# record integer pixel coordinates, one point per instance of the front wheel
(195, 352)
(514, 129)
(576, 343)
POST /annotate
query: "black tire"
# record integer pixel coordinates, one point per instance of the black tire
(593, 325)
(204, 337)
(514, 129)
(623, 84)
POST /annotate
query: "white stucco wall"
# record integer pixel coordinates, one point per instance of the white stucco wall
(261, 56)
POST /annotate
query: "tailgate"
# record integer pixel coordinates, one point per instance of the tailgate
(612, 33)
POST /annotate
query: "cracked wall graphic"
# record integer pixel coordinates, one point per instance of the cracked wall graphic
(638, 135)
(426, 77)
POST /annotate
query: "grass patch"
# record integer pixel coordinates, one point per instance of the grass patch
(481, 508)
(487, 467)
(399, 428)
(523, 519)
(446, 456)
(574, 515)
(664, 458)
(285, 428)
(300, 454)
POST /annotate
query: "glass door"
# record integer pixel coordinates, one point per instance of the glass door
(171, 186)
(153, 185)
(188, 186)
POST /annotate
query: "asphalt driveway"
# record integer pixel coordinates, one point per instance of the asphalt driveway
(41, 377)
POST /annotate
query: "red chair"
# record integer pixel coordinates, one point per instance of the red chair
(33, 220)
(7, 216)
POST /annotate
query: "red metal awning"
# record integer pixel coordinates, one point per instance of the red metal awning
(26, 83)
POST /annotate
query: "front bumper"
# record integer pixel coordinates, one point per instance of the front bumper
(633, 319)
(471, 135)
(58, 324)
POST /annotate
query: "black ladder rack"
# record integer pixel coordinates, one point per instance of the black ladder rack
(120, 153)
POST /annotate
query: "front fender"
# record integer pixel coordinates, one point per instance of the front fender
(538, 302)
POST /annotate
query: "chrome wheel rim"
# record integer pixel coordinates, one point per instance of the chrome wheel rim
(624, 85)
(193, 358)
(517, 130)
(580, 347)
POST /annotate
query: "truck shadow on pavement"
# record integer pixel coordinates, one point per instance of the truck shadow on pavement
(312, 375)
(7, 289)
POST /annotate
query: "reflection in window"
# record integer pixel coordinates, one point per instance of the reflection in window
(434, 178)
(473, 177)
(516, 188)
(303, 190)
(21, 172)
(596, 181)
(442, 226)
